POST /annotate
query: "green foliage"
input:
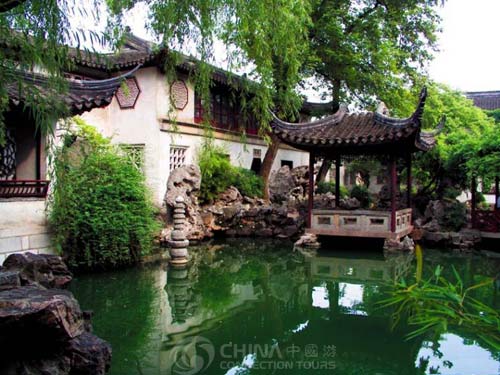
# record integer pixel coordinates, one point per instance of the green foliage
(271, 36)
(217, 174)
(33, 34)
(100, 212)
(437, 303)
(367, 49)
(455, 216)
(366, 167)
(329, 187)
(456, 156)
(495, 114)
(362, 194)
(248, 183)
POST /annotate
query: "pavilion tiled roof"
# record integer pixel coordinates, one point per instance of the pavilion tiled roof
(485, 99)
(364, 132)
(82, 95)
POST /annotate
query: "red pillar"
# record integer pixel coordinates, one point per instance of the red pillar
(337, 181)
(408, 180)
(311, 190)
(393, 193)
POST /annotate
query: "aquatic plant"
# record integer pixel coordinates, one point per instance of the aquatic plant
(436, 304)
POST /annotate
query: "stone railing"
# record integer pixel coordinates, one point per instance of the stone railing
(360, 223)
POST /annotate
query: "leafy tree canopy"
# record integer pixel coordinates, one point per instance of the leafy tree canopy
(372, 48)
(466, 128)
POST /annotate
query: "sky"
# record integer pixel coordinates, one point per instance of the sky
(469, 56)
(469, 45)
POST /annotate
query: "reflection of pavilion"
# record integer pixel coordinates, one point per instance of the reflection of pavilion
(356, 270)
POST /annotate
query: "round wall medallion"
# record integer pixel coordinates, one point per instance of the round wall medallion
(179, 94)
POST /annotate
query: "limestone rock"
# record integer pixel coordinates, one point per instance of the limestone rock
(231, 195)
(280, 184)
(40, 313)
(47, 270)
(308, 240)
(406, 244)
(349, 204)
(89, 354)
(185, 182)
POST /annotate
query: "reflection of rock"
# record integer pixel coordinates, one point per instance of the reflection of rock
(179, 290)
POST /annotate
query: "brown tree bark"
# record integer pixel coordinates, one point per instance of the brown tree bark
(267, 164)
(323, 170)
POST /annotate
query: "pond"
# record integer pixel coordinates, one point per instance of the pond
(256, 307)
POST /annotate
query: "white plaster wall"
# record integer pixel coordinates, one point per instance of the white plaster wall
(23, 227)
(150, 123)
(138, 125)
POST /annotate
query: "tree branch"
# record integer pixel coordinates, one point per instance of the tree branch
(6, 5)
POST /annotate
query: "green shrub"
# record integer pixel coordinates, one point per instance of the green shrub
(455, 216)
(248, 183)
(362, 194)
(324, 187)
(451, 193)
(100, 212)
(217, 174)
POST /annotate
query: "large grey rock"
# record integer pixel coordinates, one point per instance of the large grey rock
(434, 210)
(39, 313)
(280, 184)
(44, 269)
(185, 182)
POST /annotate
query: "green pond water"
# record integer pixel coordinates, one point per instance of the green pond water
(246, 307)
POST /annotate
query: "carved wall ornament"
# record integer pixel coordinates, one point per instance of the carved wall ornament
(128, 93)
(179, 94)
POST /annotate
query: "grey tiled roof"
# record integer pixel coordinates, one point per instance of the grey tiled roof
(485, 99)
(364, 132)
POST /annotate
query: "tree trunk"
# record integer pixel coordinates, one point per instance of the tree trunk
(326, 164)
(267, 164)
(323, 170)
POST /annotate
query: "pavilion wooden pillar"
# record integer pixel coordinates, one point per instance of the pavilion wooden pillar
(310, 201)
(393, 192)
(497, 192)
(337, 181)
(473, 201)
(408, 180)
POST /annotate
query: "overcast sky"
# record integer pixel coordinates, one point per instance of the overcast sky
(469, 57)
(470, 46)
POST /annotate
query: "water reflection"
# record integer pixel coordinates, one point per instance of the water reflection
(260, 308)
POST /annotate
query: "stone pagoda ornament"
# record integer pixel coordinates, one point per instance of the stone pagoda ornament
(178, 243)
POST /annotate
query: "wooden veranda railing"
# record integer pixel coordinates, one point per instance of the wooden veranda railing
(487, 221)
(23, 188)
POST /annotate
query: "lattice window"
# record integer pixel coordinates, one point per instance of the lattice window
(8, 157)
(135, 154)
(177, 156)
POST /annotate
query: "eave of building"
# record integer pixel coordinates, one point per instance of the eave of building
(357, 133)
(81, 95)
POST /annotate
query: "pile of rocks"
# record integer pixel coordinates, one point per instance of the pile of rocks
(237, 216)
(432, 233)
(43, 328)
